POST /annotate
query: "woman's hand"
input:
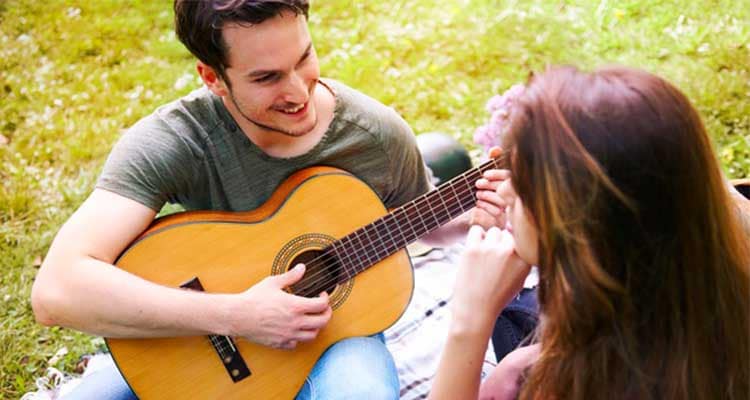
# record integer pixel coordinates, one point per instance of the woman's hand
(490, 274)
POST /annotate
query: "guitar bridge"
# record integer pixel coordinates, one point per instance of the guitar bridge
(224, 345)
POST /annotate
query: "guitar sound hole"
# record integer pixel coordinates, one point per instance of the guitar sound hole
(322, 273)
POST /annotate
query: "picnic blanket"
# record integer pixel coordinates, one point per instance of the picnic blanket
(415, 340)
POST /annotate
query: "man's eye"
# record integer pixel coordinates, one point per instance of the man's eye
(266, 78)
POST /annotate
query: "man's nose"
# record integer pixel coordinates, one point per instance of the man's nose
(296, 89)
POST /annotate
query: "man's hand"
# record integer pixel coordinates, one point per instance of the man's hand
(267, 315)
(490, 208)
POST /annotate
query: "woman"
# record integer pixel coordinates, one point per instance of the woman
(615, 194)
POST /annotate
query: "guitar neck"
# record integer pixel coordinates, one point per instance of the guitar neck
(373, 242)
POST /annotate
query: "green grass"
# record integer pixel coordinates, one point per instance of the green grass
(74, 74)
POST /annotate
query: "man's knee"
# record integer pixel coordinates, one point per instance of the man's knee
(369, 388)
(360, 368)
(377, 391)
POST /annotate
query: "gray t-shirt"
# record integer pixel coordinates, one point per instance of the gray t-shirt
(193, 153)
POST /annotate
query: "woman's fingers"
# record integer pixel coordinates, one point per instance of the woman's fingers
(493, 235)
(475, 235)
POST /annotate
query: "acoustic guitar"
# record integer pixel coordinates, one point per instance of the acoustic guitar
(321, 216)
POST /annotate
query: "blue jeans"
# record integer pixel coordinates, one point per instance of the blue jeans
(516, 323)
(355, 368)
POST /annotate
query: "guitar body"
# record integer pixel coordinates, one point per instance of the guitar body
(229, 253)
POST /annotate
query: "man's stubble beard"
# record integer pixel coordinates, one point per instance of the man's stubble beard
(271, 128)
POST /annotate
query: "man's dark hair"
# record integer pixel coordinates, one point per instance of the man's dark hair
(198, 23)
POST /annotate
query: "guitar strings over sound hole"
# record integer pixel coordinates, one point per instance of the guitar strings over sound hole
(322, 273)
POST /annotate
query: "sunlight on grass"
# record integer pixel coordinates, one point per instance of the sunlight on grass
(73, 75)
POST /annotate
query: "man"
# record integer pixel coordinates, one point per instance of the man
(264, 113)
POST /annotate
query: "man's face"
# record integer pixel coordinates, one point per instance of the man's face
(273, 71)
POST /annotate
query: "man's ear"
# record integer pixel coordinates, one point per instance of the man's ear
(212, 80)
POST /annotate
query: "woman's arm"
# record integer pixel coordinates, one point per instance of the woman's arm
(489, 276)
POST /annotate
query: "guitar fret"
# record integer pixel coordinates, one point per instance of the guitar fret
(422, 220)
(392, 224)
(445, 207)
(380, 246)
(363, 249)
(376, 245)
(373, 248)
(353, 260)
(389, 244)
(388, 226)
(398, 221)
(457, 199)
(466, 182)
(411, 226)
(383, 231)
(432, 213)
(353, 256)
(373, 244)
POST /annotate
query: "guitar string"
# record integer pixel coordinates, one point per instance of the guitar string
(224, 351)
(221, 349)
(317, 278)
(225, 345)
(375, 245)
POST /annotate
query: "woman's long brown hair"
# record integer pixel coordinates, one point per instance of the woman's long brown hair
(644, 271)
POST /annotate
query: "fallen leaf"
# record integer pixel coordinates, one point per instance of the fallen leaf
(24, 360)
(37, 262)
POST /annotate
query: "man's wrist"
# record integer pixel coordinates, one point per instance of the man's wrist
(221, 315)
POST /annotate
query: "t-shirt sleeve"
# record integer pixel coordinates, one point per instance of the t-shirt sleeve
(409, 176)
(149, 164)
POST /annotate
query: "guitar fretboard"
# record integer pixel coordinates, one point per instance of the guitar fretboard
(373, 242)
